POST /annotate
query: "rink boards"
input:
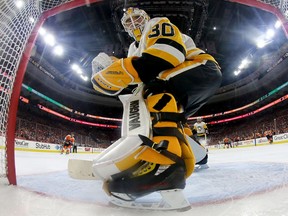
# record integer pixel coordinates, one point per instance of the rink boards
(27, 145)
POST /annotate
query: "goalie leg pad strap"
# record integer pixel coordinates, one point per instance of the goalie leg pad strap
(125, 152)
(167, 127)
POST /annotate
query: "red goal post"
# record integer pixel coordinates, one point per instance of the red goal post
(18, 32)
(19, 27)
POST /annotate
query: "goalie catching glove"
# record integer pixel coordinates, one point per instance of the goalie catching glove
(110, 77)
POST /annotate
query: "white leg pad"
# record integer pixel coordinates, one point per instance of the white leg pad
(105, 165)
(199, 151)
(136, 120)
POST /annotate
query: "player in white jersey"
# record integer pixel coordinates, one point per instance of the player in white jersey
(178, 80)
(201, 130)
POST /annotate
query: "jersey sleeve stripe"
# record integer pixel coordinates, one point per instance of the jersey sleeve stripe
(172, 43)
(169, 49)
(165, 56)
(194, 52)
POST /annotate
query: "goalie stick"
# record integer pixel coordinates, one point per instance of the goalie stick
(81, 169)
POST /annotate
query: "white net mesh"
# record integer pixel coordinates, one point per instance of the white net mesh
(17, 20)
(15, 29)
(16, 25)
(282, 5)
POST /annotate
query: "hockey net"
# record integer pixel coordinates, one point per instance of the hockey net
(18, 31)
(20, 21)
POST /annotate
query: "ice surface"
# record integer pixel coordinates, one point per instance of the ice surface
(240, 181)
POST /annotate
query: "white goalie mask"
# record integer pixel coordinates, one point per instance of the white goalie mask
(134, 21)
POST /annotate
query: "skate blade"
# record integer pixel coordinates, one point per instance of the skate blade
(200, 167)
(172, 200)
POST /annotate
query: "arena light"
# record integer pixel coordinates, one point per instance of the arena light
(85, 78)
(265, 39)
(261, 43)
(79, 71)
(58, 50)
(245, 62)
(42, 31)
(237, 72)
(278, 24)
(49, 39)
(75, 67)
(270, 33)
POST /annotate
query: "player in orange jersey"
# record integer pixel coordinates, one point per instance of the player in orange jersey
(68, 143)
(269, 136)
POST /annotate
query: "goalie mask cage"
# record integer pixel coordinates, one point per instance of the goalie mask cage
(18, 31)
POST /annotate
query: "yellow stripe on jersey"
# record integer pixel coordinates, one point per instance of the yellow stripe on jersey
(203, 57)
(188, 64)
(164, 55)
(162, 44)
(193, 52)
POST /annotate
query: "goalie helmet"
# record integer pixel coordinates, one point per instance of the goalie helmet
(134, 21)
(199, 119)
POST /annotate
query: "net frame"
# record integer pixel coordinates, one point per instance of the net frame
(18, 33)
(17, 37)
(278, 7)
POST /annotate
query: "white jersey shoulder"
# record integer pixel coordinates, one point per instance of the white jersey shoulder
(188, 41)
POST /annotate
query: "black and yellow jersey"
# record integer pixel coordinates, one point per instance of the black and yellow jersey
(163, 47)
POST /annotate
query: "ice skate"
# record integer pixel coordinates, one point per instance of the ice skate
(170, 200)
(126, 191)
(202, 164)
(199, 167)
